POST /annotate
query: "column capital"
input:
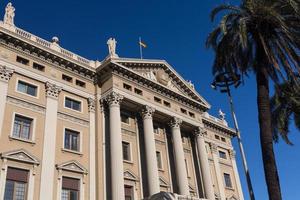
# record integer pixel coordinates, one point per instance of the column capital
(147, 111)
(199, 131)
(214, 147)
(114, 98)
(52, 90)
(5, 73)
(175, 122)
(232, 153)
(91, 104)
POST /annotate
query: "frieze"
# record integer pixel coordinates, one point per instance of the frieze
(26, 104)
(73, 119)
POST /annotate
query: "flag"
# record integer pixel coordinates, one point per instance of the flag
(142, 44)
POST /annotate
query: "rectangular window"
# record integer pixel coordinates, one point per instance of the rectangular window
(72, 140)
(23, 61)
(38, 67)
(192, 114)
(72, 104)
(127, 87)
(128, 192)
(67, 78)
(124, 118)
(155, 129)
(158, 158)
(167, 104)
(223, 139)
(80, 83)
(22, 127)
(157, 100)
(227, 180)
(138, 91)
(217, 137)
(186, 167)
(126, 151)
(70, 188)
(16, 184)
(27, 88)
(183, 111)
(222, 154)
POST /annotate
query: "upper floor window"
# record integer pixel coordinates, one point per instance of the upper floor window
(27, 88)
(129, 194)
(126, 151)
(167, 104)
(38, 67)
(124, 118)
(67, 78)
(138, 91)
(159, 160)
(70, 188)
(72, 104)
(80, 83)
(23, 61)
(186, 167)
(192, 114)
(157, 100)
(16, 184)
(223, 139)
(222, 154)
(127, 87)
(22, 127)
(183, 111)
(217, 137)
(72, 140)
(155, 129)
(227, 180)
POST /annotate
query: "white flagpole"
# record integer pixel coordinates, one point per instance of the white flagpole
(141, 49)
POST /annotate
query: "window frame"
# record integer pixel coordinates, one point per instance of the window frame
(79, 143)
(161, 160)
(79, 178)
(230, 179)
(74, 99)
(22, 58)
(133, 189)
(127, 115)
(220, 152)
(32, 128)
(29, 83)
(130, 152)
(38, 67)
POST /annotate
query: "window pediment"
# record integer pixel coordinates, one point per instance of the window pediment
(130, 176)
(163, 182)
(72, 166)
(20, 155)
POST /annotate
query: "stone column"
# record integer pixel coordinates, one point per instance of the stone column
(152, 169)
(181, 175)
(220, 178)
(204, 164)
(92, 136)
(236, 174)
(117, 177)
(5, 75)
(49, 147)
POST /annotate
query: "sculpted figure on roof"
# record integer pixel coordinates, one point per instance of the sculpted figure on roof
(9, 14)
(112, 43)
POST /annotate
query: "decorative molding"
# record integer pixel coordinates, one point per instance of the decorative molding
(26, 104)
(20, 155)
(73, 119)
(72, 166)
(91, 104)
(232, 153)
(114, 99)
(214, 147)
(5, 73)
(200, 132)
(128, 132)
(175, 122)
(147, 112)
(163, 182)
(52, 90)
(130, 176)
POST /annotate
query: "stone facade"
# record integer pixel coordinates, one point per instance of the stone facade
(116, 128)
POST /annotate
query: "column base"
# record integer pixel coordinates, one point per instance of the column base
(171, 196)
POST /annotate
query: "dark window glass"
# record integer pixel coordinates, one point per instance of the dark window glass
(222, 154)
(137, 91)
(71, 140)
(38, 67)
(156, 99)
(73, 104)
(158, 158)
(223, 139)
(80, 83)
(16, 184)
(167, 104)
(227, 180)
(27, 88)
(24, 61)
(217, 137)
(22, 127)
(128, 192)
(124, 118)
(127, 87)
(67, 78)
(70, 189)
(126, 151)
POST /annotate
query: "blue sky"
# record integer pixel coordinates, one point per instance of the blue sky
(174, 31)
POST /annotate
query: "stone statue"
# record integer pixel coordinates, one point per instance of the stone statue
(111, 43)
(221, 115)
(189, 82)
(9, 15)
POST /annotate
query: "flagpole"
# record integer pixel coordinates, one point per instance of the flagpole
(141, 50)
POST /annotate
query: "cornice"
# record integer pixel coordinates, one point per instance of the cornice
(219, 128)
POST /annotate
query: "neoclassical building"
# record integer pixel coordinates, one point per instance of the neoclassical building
(119, 129)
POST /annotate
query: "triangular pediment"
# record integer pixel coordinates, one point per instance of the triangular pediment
(20, 155)
(232, 197)
(73, 166)
(160, 72)
(163, 182)
(130, 175)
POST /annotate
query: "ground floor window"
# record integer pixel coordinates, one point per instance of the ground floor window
(129, 195)
(70, 188)
(16, 184)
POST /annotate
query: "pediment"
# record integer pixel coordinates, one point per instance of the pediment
(72, 166)
(232, 197)
(20, 155)
(191, 188)
(130, 175)
(163, 182)
(160, 72)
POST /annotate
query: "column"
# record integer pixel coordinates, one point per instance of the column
(92, 137)
(152, 169)
(236, 174)
(48, 161)
(117, 177)
(5, 75)
(204, 164)
(220, 178)
(181, 175)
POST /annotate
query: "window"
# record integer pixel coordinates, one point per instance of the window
(38, 67)
(124, 118)
(157, 100)
(80, 83)
(127, 87)
(22, 127)
(126, 151)
(192, 114)
(128, 192)
(217, 137)
(67, 78)
(167, 104)
(158, 158)
(27, 88)
(222, 154)
(23, 61)
(72, 140)
(186, 167)
(70, 188)
(227, 180)
(16, 184)
(155, 129)
(72, 104)
(137, 91)
(183, 111)
(223, 139)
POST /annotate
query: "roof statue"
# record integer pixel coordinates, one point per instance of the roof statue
(112, 43)
(221, 115)
(9, 15)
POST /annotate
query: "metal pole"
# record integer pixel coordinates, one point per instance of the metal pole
(141, 49)
(247, 173)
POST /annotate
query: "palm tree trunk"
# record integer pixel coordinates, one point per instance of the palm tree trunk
(266, 140)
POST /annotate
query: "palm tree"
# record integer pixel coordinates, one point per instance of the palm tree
(285, 106)
(260, 37)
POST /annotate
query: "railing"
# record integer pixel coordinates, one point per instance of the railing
(47, 44)
(207, 115)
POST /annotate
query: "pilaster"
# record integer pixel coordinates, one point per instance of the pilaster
(232, 155)
(92, 131)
